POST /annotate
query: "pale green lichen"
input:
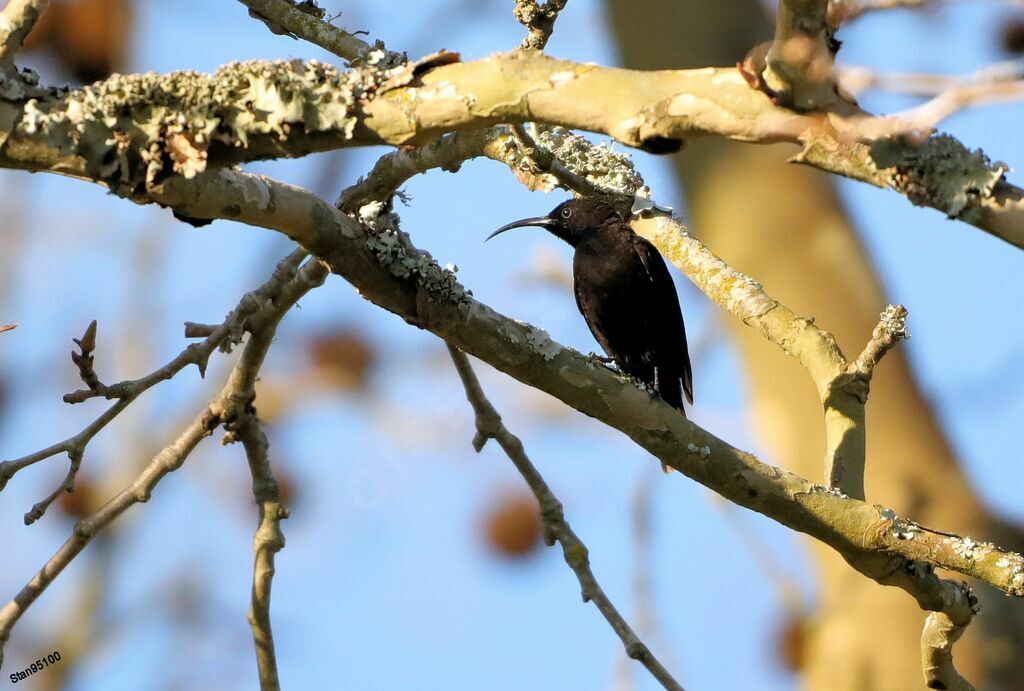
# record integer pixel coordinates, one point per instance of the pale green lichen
(1016, 582)
(893, 323)
(541, 342)
(123, 126)
(964, 547)
(941, 173)
(393, 249)
(607, 169)
(20, 85)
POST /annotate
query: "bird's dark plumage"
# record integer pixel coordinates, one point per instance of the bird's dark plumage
(626, 295)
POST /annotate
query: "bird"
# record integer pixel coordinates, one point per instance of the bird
(625, 293)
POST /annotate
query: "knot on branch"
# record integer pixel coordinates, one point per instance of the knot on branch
(636, 650)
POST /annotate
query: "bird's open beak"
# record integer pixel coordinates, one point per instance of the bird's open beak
(542, 221)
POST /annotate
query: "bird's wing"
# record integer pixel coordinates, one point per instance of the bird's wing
(591, 309)
(669, 314)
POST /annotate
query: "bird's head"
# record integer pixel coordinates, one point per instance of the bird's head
(571, 220)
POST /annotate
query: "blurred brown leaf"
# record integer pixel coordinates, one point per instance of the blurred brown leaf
(286, 494)
(343, 358)
(89, 38)
(1012, 36)
(513, 527)
(81, 502)
(791, 642)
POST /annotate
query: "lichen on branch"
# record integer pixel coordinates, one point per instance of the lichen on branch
(131, 131)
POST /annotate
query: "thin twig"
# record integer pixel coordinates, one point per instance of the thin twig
(841, 11)
(169, 459)
(8, 327)
(996, 83)
(233, 401)
(392, 170)
(547, 162)
(228, 333)
(267, 542)
(539, 20)
(306, 21)
(490, 426)
(891, 329)
(16, 21)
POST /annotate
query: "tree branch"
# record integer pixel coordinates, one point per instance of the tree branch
(168, 460)
(315, 108)
(387, 272)
(539, 19)
(576, 554)
(798, 65)
(234, 400)
(268, 541)
(940, 633)
(16, 21)
(841, 11)
(306, 22)
(224, 336)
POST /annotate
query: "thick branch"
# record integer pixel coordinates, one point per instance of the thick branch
(556, 527)
(424, 294)
(313, 107)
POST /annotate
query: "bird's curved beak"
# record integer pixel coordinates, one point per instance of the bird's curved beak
(542, 221)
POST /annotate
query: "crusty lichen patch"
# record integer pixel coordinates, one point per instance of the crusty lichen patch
(132, 130)
(395, 252)
(608, 169)
(941, 173)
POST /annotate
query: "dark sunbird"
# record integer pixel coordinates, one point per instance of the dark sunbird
(625, 293)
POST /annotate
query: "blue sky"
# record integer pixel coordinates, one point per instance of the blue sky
(384, 582)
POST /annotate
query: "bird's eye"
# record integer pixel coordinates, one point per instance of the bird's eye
(566, 213)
